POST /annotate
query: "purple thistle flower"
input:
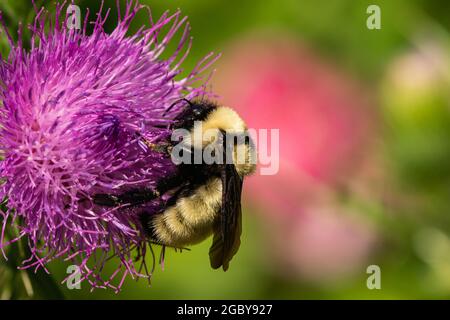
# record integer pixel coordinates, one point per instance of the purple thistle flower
(76, 108)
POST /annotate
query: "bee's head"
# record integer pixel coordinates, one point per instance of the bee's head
(224, 123)
(195, 111)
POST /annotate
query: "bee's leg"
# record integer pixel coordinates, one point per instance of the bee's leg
(106, 200)
(133, 197)
(158, 243)
(138, 196)
(164, 147)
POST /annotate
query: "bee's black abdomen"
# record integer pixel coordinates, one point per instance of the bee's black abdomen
(146, 223)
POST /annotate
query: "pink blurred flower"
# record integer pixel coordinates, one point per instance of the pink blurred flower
(324, 121)
(321, 114)
(324, 243)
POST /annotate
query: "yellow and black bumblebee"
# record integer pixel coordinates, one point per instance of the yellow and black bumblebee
(205, 197)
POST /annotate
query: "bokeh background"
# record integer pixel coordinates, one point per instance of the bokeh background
(364, 179)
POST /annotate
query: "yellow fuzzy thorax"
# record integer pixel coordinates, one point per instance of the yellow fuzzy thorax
(223, 119)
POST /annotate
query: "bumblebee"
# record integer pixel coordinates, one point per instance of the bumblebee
(205, 196)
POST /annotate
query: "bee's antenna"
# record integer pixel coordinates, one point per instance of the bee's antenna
(175, 103)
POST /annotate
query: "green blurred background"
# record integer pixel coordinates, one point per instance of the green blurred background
(364, 119)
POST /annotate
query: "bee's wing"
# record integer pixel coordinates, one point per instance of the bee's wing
(226, 239)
